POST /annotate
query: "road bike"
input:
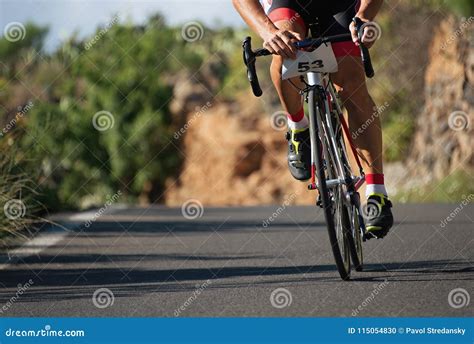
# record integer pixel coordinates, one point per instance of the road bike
(331, 172)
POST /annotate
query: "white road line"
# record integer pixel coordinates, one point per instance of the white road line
(52, 236)
(44, 240)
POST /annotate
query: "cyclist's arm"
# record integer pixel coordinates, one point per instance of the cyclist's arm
(277, 41)
(367, 11)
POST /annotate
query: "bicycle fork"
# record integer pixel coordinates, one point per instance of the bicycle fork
(316, 82)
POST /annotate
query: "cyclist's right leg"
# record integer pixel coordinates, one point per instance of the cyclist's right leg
(299, 151)
(290, 98)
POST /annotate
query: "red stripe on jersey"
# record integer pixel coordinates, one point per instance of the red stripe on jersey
(284, 13)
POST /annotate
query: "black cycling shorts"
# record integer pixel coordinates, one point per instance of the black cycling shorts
(333, 17)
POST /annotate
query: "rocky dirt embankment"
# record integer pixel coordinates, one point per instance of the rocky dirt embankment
(233, 156)
(444, 140)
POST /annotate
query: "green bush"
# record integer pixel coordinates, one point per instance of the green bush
(121, 74)
(454, 188)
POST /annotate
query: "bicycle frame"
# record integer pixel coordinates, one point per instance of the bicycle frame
(321, 83)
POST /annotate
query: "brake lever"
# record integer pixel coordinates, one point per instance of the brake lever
(366, 59)
(249, 59)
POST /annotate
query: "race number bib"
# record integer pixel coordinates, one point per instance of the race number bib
(321, 60)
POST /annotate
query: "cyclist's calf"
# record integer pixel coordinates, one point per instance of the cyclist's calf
(350, 82)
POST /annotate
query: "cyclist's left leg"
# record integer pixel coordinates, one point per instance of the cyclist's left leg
(364, 121)
(365, 126)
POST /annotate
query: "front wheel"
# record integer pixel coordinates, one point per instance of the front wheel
(335, 211)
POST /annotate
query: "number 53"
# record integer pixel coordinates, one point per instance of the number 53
(304, 67)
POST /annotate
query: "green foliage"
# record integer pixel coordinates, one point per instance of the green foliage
(33, 38)
(122, 74)
(460, 7)
(18, 197)
(454, 188)
(236, 80)
(398, 124)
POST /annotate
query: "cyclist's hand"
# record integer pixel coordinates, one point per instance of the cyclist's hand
(281, 42)
(369, 36)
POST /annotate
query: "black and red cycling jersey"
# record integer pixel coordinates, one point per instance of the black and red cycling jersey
(333, 17)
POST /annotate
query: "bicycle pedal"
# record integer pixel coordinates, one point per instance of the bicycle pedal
(368, 236)
(319, 203)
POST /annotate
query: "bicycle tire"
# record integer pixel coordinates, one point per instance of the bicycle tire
(354, 236)
(343, 268)
(355, 239)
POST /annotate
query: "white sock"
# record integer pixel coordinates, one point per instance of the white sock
(303, 124)
(375, 188)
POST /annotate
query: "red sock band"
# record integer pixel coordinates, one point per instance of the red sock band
(297, 116)
(374, 178)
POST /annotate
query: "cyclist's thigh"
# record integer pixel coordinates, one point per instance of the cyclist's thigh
(350, 78)
(350, 75)
(286, 14)
(334, 19)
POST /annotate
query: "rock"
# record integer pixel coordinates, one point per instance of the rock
(229, 162)
(248, 158)
(188, 94)
(440, 147)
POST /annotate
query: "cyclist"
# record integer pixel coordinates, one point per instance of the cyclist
(282, 22)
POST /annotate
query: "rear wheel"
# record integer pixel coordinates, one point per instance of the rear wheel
(354, 236)
(355, 239)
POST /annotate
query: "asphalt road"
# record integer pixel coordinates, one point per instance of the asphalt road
(155, 262)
